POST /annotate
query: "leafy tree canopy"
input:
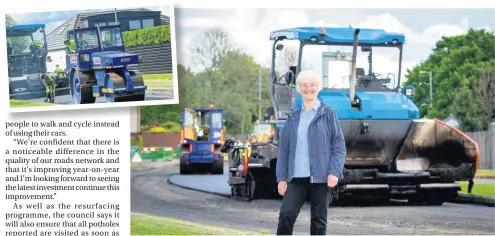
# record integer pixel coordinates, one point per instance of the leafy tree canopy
(463, 80)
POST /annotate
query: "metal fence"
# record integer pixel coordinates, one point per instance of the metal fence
(157, 59)
(154, 153)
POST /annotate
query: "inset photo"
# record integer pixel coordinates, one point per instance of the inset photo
(91, 58)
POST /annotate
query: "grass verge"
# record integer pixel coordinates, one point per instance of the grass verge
(157, 84)
(142, 224)
(134, 166)
(158, 77)
(485, 173)
(24, 103)
(480, 189)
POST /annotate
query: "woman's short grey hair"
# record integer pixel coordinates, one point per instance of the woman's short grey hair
(308, 74)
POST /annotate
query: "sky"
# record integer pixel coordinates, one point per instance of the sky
(54, 19)
(250, 28)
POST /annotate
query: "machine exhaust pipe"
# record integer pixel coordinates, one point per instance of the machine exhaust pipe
(352, 86)
(99, 36)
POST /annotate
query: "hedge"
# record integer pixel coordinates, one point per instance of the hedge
(167, 127)
(137, 141)
(149, 36)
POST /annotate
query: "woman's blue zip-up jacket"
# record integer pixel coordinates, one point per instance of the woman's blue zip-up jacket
(327, 148)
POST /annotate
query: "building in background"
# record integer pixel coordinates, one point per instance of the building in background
(129, 19)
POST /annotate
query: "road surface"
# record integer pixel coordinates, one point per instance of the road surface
(152, 194)
(63, 96)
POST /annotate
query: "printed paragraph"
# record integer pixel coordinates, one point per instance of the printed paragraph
(48, 164)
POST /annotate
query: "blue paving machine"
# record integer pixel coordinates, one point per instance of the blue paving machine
(25, 66)
(390, 152)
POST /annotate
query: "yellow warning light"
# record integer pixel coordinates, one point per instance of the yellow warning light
(211, 106)
(257, 122)
(78, 26)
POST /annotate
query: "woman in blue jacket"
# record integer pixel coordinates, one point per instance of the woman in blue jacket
(311, 157)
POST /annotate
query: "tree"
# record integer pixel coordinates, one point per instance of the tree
(170, 113)
(486, 91)
(461, 85)
(19, 44)
(228, 79)
(475, 105)
(239, 90)
(207, 51)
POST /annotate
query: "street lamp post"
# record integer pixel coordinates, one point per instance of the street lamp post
(431, 86)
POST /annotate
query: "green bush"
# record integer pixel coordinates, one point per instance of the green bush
(148, 36)
(157, 130)
(137, 141)
(168, 76)
(172, 127)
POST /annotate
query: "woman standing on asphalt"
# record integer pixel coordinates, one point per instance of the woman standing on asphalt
(311, 157)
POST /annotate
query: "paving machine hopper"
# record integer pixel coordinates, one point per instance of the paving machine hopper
(26, 57)
(391, 152)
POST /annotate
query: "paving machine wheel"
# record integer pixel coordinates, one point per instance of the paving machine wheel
(81, 87)
(184, 167)
(217, 166)
(243, 183)
(246, 191)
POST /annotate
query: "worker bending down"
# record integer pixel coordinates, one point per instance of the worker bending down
(49, 88)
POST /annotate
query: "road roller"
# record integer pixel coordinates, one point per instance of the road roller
(98, 66)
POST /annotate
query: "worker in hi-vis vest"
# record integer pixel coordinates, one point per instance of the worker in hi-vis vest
(35, 47)
(49, 88)
(71, 45)
(59, 71)
(247, 145)
(36, 43)
(199, 131)
(239, 143)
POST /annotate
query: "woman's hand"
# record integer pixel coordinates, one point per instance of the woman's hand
(282, 187)
(332, 180)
